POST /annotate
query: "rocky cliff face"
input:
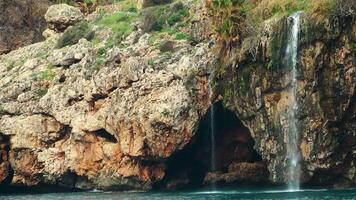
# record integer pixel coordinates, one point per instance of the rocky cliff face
(21, 23)
(89, 116)
(101, 107)
(258, 93)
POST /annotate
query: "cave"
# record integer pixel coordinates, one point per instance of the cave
(6, 172)
(233, 144)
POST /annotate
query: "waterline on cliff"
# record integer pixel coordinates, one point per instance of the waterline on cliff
(293, 154)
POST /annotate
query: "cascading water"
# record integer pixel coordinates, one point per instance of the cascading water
(212, 133)
(293, 154)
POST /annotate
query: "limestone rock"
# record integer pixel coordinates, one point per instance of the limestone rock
(60, 16)
(4, 158)
(326, 98)
(240, 173)
(97, 115)
(82, 119)
(21, 23)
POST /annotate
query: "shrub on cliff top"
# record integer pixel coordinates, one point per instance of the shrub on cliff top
(236, 20)
(73, 34)
(156, 18)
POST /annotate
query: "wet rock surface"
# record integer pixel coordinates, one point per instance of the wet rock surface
(258, 93)
(236, 161)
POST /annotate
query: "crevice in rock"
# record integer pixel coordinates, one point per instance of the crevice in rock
(112, 89)
(72, 101)
(234, 150)
(98, 96)
(62, 78)
(128, 84)
(107, 136)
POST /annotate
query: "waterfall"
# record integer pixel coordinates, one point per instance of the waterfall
(212, 132)
(293, 154)
(212, 138)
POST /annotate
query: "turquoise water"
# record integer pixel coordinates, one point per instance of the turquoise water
(195, 195)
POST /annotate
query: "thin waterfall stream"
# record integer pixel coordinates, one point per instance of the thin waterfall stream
(212, 133)
(293, 153)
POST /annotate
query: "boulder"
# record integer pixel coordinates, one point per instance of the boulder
(61, 16)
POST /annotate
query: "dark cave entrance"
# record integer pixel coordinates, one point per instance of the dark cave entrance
(233, 144)
(6, 172)
(102, 133)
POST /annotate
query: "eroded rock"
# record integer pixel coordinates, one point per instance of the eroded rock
(326, 90)
(21, 23)
(82, 119)
(61, 16)
(240, 173)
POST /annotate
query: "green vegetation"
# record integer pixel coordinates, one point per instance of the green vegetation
(157, 18)
(174, 34)
(43, 55)
(151, 63)
(40, 92)
(121, 22)
(234, 20)
(102, 51)
(2, 110)
(73, 34)
(13, 64)
(10, 65)
(166, 46)
(166, 23)
(98, 63)
(189, 82)
(47, 75)
(164, 20)
(245, 80)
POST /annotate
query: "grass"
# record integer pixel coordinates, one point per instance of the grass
(13, 64)
(102, 51)
(151, 63)
(121, 22)
(47, 74)
(167, 33)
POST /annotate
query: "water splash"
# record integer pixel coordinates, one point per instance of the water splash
(293, 154)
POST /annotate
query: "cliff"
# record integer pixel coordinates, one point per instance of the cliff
(122, 99)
